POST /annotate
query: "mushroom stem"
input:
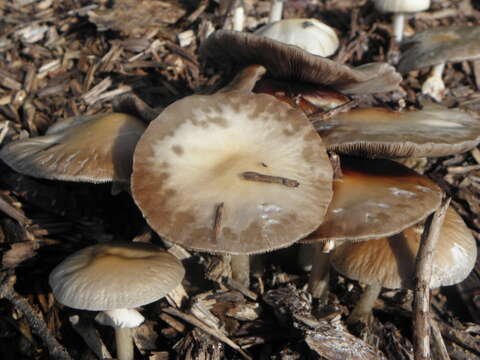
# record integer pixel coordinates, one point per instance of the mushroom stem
(363, 309)
(124, 341)
(434, 85)
(276, 10)
(398, 25)
(318, 283)
(240, 265)
(238, 15)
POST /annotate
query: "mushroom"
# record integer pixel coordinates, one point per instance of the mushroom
(310, 35)
(372, 199)
(115, 278)
(383, 133)
(93, 149)
(400, 8)
(390, 262)
(437, 46)
(233, 173)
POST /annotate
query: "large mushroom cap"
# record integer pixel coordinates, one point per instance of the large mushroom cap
(376, 198)
(308, 34)
(195, 166)
(402, 6)
(390, 262)
(115, 276)
(292, 63)
(382, 133)
(439, 45)
(85, 148)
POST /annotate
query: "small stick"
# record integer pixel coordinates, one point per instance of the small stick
(423, 274)
(336, 165)
(36, 322)
(325, 115)
(438, 340)
(217, 222)
(254, 176)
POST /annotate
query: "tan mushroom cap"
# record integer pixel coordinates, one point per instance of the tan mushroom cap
(187, 174)
(289, 62)
(115, 276)
(376, 198)
(390, 262)
(439, 45)
(382, 133)
(85, 148)
(402, 6)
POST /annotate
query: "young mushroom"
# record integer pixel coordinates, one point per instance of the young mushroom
(115, 278)
(233, 173)
(93, 149)
(371, 199)
(399, 8)
(437, 46)
(390, 262)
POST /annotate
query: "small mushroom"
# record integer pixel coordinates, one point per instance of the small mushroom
(400, 8)
(383, 133)
(93, 149)
(115, 278)
(437, 46)
(390, 262)
(234, 173)
(310, 35)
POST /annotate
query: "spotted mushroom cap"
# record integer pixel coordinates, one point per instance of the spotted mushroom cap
(94, 149)
(115, 275)
(289, 62)
(439, 45)
(308, 34)
(390, 261)
(376, 198)
(382, 133)
(402, 6)
(195, 169)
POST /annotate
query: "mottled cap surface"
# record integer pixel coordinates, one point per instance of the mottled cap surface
(289, 62)
(382, 133)
(115, 276)
(192, 174)
(390, 262)
(402, 6)
(440, 45)
(86, 148)
(376, 198)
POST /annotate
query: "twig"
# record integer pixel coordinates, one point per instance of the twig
(423, 273)
(325, 115)
(209, 330)
(217, 222)
(14, 213)
(438, 340)
(56, 350)
(254, 176)
(90, 335)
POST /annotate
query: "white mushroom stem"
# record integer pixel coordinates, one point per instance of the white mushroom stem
(363, 309)
(240, 265)
(318, 283)
(398, 25)
(238, 16)
(434, 85)
(276, 11)
(122, 320)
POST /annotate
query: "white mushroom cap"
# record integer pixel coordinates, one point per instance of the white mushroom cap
(402, 6)
(308, 34)
(115, 276)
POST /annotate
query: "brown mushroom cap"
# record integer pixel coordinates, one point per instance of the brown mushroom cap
(382, 133)
(376, 198)
(115, 276)
(390, 262)
(292, 63)
(189, 165)
(439, 45)
(85, 148)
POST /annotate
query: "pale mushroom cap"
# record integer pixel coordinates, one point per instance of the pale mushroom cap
(376, 198)
(382, 133)
(287, 62)
(402, 6)
(86, 148)
(440, 45)
(308, 34)
(390, 262)
(190, 161)
(115, 276)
